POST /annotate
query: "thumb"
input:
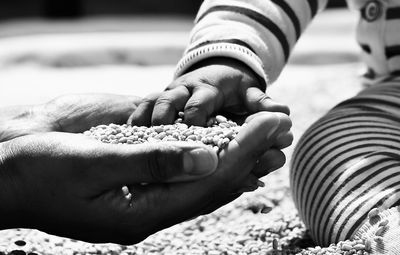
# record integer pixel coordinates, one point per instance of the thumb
(257, 101)
(158, 162)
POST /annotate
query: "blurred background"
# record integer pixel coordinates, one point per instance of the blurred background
(80, 8)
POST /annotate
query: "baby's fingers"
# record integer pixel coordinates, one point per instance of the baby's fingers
(283, 140)
(261, 132)
(168, 104)
(143, 113)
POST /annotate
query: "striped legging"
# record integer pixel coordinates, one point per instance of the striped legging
(348, 162)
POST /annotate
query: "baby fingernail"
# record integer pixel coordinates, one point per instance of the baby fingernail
(200, 161)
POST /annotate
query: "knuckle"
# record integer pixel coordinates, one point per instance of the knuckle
(261, 98)
(164, 99)
(193, 106)
(149, 99)
(159, 162)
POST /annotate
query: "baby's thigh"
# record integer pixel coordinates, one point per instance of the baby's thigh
(347, 163)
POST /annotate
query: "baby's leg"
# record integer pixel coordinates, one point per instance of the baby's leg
(348, 163)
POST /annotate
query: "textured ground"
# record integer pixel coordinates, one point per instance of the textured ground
(324, 70)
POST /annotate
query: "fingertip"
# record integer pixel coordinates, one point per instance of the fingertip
(163, 116)
(257, 101)
(284, 140)
(285, 121)
(258, 131)
(143, 113)
(195, 117)
(168, 104)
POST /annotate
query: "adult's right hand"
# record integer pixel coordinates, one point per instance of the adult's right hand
(70, 184)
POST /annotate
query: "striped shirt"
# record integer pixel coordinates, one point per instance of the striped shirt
(262, 33)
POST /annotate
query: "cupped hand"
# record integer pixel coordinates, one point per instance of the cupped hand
(70, 185)
(70, 113)
(214, 85)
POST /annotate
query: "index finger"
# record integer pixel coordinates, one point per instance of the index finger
(168, 104)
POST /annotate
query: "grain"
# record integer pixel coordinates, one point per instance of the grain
(374, 212)
(262, 222)
(217, 134)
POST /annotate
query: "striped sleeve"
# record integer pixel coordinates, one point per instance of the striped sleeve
(259, 33)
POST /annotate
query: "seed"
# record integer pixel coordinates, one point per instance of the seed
(346, 247)
(123, 140)
(221, 119)
(188, 132)
(224, 125)
(169, 139)
(379, 231)
(161, 135)
(275, 244)
(128, 197)
(383, 223)
(225, 141)
(367, 245)
(125, 190)
(159, 129)
(215, 140)
(220, 143)
(228, 133)
(374, 212)
(359, 247)
(192, 137)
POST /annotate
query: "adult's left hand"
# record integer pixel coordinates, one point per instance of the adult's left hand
(70, 113)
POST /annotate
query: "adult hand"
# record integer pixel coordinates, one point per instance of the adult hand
(71, 113)
(70, 185)
(214, 85)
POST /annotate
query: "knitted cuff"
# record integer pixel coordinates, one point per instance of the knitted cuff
(229, 50)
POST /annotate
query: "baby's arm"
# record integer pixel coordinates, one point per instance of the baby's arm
(236, 48)
(258, 33)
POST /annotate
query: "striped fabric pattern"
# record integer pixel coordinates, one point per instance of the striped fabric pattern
(270, 28)
(348, 162)
(379, 38)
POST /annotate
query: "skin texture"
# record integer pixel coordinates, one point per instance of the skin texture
(70, 185)
(217, 85)
(71, 113)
